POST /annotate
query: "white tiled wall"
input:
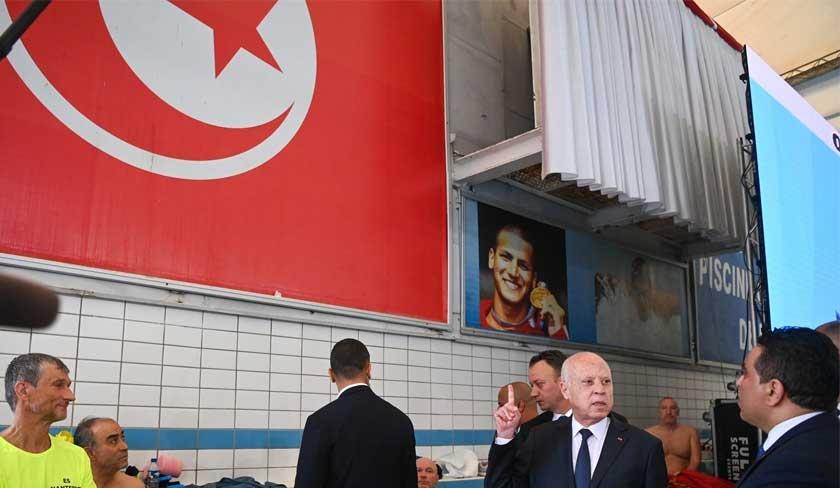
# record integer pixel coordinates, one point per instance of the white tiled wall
(169, 367)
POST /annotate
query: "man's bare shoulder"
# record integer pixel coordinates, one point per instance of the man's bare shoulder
(682, 430)
(686, 429)
(126, 481)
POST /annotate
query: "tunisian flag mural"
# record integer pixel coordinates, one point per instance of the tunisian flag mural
(267, 146)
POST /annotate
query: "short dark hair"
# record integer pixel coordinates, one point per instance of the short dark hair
(805, 362)
(27, 367)
(349, 358)
(83, 435)
(523, 232)
(553, 357)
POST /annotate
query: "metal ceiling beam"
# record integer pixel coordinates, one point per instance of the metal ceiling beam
(813, 69)
(499, 159)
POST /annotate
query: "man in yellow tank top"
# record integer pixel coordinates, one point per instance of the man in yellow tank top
(38, 392)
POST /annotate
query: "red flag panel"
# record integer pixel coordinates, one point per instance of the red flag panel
(308, 159)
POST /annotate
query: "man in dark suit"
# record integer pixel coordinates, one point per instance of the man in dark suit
(544, 375)
(359, 440)
(788, 388)
(588, 450)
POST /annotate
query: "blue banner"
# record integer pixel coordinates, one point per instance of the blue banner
(722, 285)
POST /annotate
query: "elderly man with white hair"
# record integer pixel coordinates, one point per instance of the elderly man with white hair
(588, 449)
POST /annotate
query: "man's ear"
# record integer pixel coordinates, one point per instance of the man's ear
(332, 374)
(521, 406)
(563, 388)
(22, 390)
(775, 392)
(491, 259)
(367, 370)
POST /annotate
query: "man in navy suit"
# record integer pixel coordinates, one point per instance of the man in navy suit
(788, 388)
(358, 440)
(588, 450)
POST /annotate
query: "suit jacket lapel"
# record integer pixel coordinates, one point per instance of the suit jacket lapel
(750, 469)
(563, 453)
(803, 427)
(613, 444)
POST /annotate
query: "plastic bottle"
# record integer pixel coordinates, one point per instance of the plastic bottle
(153, 480)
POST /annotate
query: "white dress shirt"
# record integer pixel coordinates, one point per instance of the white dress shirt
(558, 415)
(595, 442)
(781, 428)
(348, 387)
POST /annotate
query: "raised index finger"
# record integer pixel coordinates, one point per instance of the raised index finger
(510, 396)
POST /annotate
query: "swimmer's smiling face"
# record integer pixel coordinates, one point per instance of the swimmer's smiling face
(512, 262)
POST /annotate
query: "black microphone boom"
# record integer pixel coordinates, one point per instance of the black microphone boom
(19, 26)
(26, 304)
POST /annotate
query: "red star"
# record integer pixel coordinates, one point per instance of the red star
(234, 25)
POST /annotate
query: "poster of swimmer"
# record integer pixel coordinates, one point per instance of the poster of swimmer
(639, 301)
(515, 274)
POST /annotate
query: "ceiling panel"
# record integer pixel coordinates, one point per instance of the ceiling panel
(713, 8)
(786, 33)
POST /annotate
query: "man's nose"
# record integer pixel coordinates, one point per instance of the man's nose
(69, 396)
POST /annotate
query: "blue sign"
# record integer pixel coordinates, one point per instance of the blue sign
(723, 285)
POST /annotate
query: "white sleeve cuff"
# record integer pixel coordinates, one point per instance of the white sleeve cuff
(500, 441)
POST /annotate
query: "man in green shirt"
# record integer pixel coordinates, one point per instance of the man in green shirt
(38, 392)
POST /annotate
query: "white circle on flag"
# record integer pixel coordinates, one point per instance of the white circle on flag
(172, 54)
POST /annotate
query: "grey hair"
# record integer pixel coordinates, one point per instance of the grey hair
(28, 367)
(83, 435)
(565, 373)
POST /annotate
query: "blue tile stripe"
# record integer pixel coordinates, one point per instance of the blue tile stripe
(172, 439)
(468, 483)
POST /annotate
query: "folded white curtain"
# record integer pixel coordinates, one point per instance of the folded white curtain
(641, 99)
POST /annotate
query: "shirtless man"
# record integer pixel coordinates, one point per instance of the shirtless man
(428, 473)
(104, 441)
(681, 442)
